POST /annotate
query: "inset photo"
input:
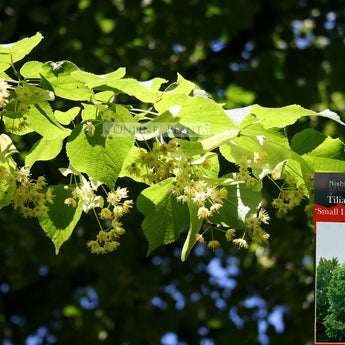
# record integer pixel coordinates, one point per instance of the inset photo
(330, 283)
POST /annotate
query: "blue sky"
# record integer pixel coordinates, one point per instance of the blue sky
(330, 241)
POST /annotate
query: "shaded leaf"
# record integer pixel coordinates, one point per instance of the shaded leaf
(60, 221)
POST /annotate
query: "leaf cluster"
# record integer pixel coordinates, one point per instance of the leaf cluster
(171, 137)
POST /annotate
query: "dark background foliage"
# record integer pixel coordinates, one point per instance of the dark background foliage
(269, 52)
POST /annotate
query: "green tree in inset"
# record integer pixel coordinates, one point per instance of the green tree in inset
(324, 275)
(335, 320)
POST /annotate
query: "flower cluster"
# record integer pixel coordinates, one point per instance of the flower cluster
(107, 240)
(288, 200)
(158, 163)
(4, 94)
(260, 158)
(17, 129)
(30, 198)
(244, 173)
(89, 128)
(85, 193)
(18, 124)
(253, 223)
(241, 243)
(198, 192)
(213, 245)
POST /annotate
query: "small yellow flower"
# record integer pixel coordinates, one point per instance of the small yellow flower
(41, 182)
(121, 193)
(118, 211)
(203, 212)
(309, 209)
(264, 216)
(23, 174)
(183, 198)
(89, 128)
(213, 245)
(241, 243)
(94, 246)
(118, 231)
(105, 214)
(127, 205)
(260, 158)
(110, 246)
(102, 236)
(221, 194)
(50, 196)
(200, 238)
(290, 179)
(117, 225)
(229, 235)
(199, 197)
(215, 207)
(260, 235)
(39, 210)
(252, 222)
(133, 169)
(70, 201)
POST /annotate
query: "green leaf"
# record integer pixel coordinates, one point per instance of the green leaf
(184, 86)
(31, 70)
(181, 86)
(60, 221)
(197, 110)
(285, 116)
(199, 147)
(169, 100)
(194, 228)
(41, 119)
(7, 190)
(29, 94)
(66, 117)
(89, 112)
(145, 91)
(306, 141)
(133, 154)
(105, 96)
(153, 84)
(165, 218)
(57, 77)
(330, 148)
(7, 148)
(204, 110)
(276, 153)
(324, 164)
(94, 79)
(317, 144)
(98, 156)
(14, 123)
(46, 148)
(13, 52)
(159, 125)
(212, 159)
(278, 172)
